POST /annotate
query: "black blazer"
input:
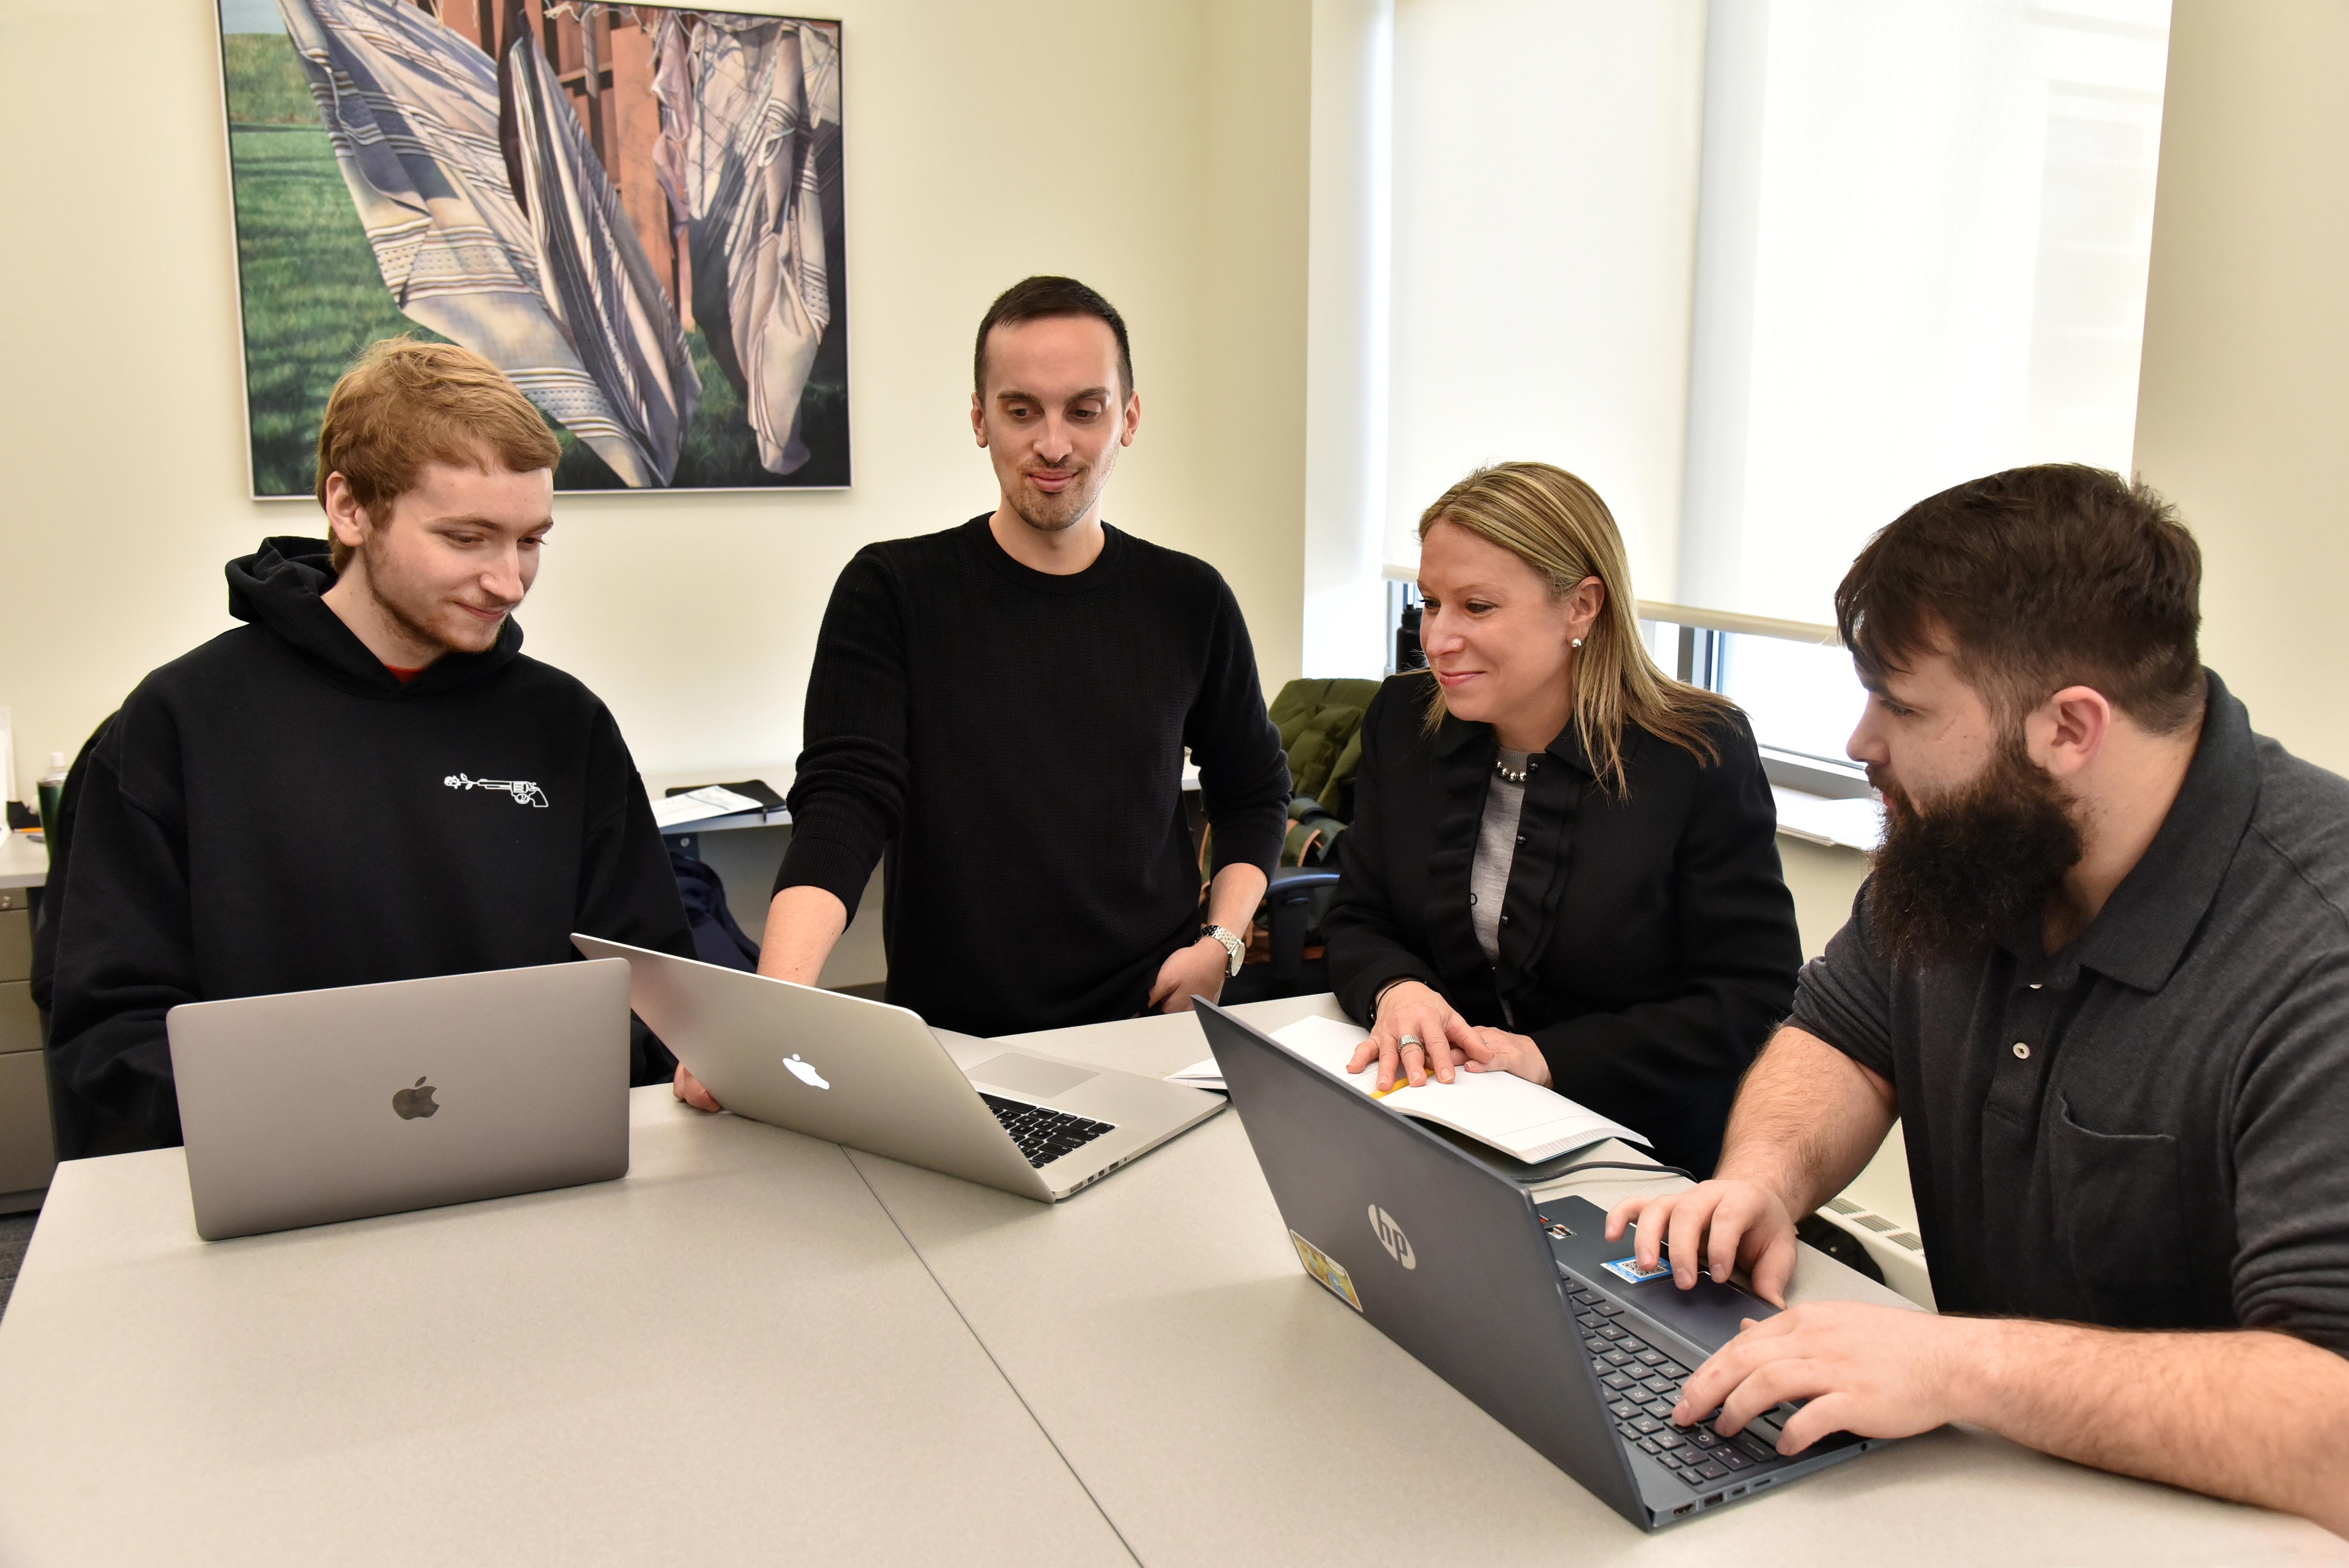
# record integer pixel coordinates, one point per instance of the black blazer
(1648, 945)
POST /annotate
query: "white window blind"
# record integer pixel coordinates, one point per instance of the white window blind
(1765, 272)
(1923, 233)
(1544, 232)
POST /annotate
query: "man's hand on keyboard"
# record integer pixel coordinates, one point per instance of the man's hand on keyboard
(1878, 1371)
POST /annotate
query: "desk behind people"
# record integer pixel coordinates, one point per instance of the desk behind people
(26, 1150)
(736, 1353)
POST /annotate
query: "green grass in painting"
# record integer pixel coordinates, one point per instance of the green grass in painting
(265, 84)
(719, 449)
(314, 298)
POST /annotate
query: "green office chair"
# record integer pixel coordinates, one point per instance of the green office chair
(1320, 724)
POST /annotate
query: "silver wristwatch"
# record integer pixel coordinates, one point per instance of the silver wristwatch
(1232, 946)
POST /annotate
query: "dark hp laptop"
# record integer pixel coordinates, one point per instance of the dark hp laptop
(1530, 1311)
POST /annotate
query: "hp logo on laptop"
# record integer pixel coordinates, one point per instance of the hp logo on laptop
(1391, 1237)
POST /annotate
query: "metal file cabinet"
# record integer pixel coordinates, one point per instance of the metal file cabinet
(27, 1147)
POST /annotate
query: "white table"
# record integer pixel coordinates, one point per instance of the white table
(729, 1356)
(758, 1348)
(1224, 1407)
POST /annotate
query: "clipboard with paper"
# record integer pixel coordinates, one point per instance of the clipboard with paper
(1519, 1118)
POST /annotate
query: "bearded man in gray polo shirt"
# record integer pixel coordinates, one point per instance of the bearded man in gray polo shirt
(2100, 971)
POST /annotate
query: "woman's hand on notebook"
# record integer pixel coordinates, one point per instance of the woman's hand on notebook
(1499, 1051)
(1438, 1037)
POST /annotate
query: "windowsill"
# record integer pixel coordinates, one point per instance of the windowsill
(1812, 776)
(1855, 823)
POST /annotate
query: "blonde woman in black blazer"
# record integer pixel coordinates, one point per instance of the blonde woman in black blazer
(1563, 864)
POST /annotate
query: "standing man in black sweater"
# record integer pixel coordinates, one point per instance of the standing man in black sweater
(1003, 710)
(367, 781)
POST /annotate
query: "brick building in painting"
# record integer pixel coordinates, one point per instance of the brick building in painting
(606, 65)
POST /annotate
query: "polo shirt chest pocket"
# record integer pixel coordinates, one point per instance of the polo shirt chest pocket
(2117, 1217)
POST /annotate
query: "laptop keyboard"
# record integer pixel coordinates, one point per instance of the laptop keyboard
(1043, 1135)
(1642, 1384)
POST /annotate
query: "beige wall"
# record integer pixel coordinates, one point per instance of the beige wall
(1823, 879)
(1155, 147)
(2243, 408)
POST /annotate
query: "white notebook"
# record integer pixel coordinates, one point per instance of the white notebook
(1518, 1117)
(700, 806)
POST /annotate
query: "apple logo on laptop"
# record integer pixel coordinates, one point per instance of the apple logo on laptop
(412, 1103)
(805, 1072)
(1391, 1237)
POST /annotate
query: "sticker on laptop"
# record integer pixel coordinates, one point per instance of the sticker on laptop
(1628, 1269)
(1328, 1270)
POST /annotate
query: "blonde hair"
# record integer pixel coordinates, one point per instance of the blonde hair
(1558, 525)
(404, 404)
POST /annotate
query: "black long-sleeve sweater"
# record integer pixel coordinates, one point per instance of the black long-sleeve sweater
(1014, 740)
(277, 811)
(1648, 940)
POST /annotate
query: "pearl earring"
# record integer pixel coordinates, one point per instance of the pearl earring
(1577, 642)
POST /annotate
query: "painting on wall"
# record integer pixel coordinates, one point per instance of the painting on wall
(634, 210)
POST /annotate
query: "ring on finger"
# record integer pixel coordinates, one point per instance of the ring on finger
(1408, 1041)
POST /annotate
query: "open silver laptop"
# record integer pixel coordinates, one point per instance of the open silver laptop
(315, 1105)
(876, 1077)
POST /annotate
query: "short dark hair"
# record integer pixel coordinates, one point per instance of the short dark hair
(1036, 298)
(2042, 578)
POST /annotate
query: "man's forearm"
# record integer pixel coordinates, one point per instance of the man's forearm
(1232, 896)
(1808, 1118)
(803, 924)
(2256, 1417)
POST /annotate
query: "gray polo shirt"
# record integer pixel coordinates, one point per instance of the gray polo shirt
(2150, 1128)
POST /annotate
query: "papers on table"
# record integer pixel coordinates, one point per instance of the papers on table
(1199, 1074)
(1518, 1117)
(700, 805)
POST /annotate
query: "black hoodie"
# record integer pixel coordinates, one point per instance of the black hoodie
(275, 812)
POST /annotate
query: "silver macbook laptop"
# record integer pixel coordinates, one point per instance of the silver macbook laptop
(317, 1105)
(876, 1077)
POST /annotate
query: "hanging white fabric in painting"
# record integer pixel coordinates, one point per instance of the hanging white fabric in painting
(599, 285)
(411, 111)
(742, 100)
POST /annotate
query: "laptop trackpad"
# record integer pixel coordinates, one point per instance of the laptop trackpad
(1030, 1075)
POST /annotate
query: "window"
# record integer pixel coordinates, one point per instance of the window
(1922, 240)
(1804, 698)
(1883, 245)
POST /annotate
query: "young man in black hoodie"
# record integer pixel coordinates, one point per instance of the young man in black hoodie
(367, 781)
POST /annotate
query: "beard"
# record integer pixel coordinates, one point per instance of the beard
(1053, 513)
(1951, 882)
(410, 605)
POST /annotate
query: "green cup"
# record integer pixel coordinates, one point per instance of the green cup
(52, 791)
